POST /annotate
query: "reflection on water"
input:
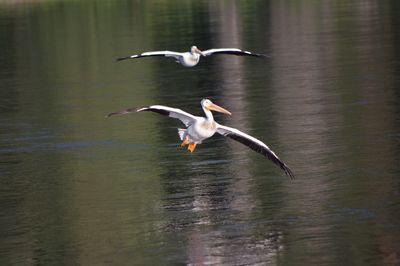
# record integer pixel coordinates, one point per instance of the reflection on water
(77, 188)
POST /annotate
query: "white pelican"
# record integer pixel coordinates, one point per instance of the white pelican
(200, 128)
(192, 58)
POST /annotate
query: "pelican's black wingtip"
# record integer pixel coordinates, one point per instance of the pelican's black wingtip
(124, 112)
(122, 58)
(288, 172)
(263, 56)
(110, 114)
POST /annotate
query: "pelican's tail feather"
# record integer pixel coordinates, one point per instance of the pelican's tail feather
(182, 133)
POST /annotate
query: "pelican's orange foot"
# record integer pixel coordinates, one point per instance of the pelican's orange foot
(191, 147)
(185, 142)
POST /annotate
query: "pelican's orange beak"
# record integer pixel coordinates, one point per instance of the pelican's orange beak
(214, 107)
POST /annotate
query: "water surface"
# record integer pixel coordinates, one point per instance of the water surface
(79, 189)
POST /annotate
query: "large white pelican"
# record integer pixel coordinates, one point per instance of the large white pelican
(200, 128)
(192, 58)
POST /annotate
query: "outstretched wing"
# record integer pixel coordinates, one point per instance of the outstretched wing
(154, 53)
(185, 117)
(233, 51)
(255, 145)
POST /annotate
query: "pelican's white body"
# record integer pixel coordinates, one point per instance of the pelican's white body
(202, 129)
(188, 59)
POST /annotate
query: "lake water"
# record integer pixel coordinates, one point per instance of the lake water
(79, 189)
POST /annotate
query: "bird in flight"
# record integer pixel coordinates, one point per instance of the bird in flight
(192, 58)
(200, 128)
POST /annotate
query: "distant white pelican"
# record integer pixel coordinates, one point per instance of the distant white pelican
(200, 128)
(192, 58)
